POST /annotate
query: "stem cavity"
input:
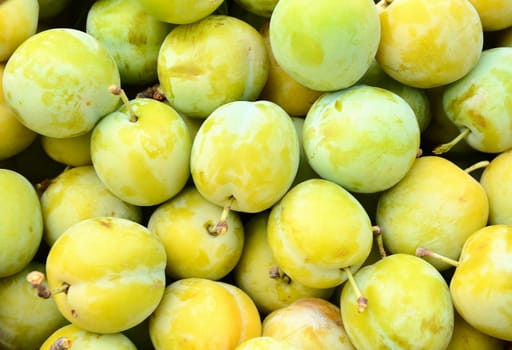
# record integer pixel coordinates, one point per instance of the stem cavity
(36, 279)
(116, 90)
(221, 227)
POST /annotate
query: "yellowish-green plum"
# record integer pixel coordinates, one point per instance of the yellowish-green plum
(428, 43)
(57, 82)
(467, 337)
(78, 338)
(317, 232)
(263, 8)
(206, 64)
(281, 88)
(18, 22)
(437, 206)
(415, 97)
(14, 136)
(408, 306)
(131, 35)
(72, 151)
(26, 320)
(77, 194)
(198, 313)
(363, 146)
(186, 225)
(179, 11)
(21, 222)
(325, 47)
(141, 152)
(494, 14)
(495, 180)
(258, 274)
(481, 286)
(246, 155)
(480, 103)
(308, 323)
(266, 343)
(111, 273)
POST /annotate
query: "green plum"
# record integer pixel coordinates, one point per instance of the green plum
(141, 152)
(480, 103)
(179, 11)
(318, 233)
(245, 155)
(208, 63)
(72, 151)
(323, 46)
(437, 205)
(26, 321)
(73, 337)
(495, 181)
(77, 194)
(21, 222)
(57, 82)
(409, 306)
(364, 138)
(131, 35)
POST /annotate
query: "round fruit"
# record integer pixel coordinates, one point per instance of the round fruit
(324, 46)
(428, 43)
(364, 138)
(18, 22)
(317, 231)
(21, 222)
(179, 11)
(57, 82)
(409, 306)
(72, 151)
(495, 181)
(110, 271)
(246, 155)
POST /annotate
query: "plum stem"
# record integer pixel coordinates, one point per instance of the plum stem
(116, 90)
(377, 232)
(221, 227)
(362, 302)
(421, 252)
(36, 279)
(445, 147)
(62, 343)
(476, 166)
(276, 274)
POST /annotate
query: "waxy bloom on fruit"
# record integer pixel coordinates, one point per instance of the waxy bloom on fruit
(107, 274)
(57, 82)
(317, 232)
(322, 44)
(246, 155)
(21, 222)
(428, 43)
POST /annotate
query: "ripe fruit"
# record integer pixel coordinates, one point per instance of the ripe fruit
(479, 103)
(437, 205)
(409, 306)
(364, 147)
(186, 226)
(131, 35)
(197, 313)
(325, 47)
(110, 273)
(18, 22)
(317, 232)
(245, 155)
(281, 88)
(25, 321)
(141, 151)
(14, 136)
(495, 181)
(78, 338)
(481, 285)
(494, 14)
(72, 151)
(308, 323)
(77, 194)
(428, 43)
(258, 274)
(466, 337)
(180, 12)
(206, 64)
(57, 82)
(265, 343)
(21, 222)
